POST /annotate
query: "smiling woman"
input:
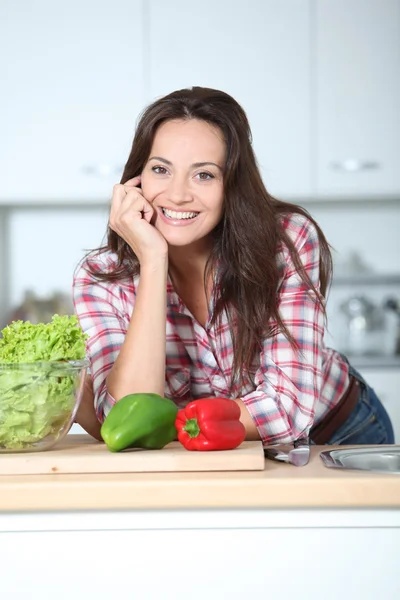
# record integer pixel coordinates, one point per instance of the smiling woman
(210, 287)
(183, 190)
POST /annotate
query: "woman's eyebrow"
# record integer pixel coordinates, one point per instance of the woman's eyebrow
(195, 165)
(164, 160)
(204, 164)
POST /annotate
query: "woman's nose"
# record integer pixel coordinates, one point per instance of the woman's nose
(179, 190)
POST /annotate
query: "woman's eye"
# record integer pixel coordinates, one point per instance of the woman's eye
(159, 170)
(204, 176)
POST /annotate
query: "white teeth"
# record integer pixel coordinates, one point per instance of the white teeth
(172, 214)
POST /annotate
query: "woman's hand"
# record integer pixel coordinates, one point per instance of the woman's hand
(130, 218)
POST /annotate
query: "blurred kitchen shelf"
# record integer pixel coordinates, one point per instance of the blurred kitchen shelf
(11, 206)
(308, 202)
(374, 362)
(373, 279)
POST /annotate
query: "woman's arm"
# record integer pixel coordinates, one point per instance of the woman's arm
(252, 432)
(126, 326)
(140, 366)
(288, 381)
(132, 350)
(86, 414)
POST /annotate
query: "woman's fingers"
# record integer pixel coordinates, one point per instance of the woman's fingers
(128, 206)
(121, 192)
(135, 203)
(148, 211)
(135, 181)
(121, 189)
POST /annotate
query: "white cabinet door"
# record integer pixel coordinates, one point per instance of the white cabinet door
(221, 563)
(358, 97)
(259, 52)
(71, 75)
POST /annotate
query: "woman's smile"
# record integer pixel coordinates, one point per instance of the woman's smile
(177, 218)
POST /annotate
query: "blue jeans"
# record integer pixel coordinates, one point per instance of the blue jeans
(369, 422)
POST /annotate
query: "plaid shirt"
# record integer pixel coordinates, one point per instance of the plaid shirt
(288, 390)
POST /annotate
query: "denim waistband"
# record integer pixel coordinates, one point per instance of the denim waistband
(353, 372)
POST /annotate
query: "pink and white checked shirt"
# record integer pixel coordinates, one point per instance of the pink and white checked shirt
(291, 390)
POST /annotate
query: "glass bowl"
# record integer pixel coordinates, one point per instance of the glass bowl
(38, 403)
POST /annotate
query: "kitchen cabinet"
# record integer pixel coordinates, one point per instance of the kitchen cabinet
(259, 52)
(71, 91)
(357, 87)
(187, 555)
(319, 80)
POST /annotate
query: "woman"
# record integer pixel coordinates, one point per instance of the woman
(208, 286)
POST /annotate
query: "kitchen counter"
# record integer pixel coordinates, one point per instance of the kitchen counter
(301, 532)
(279, 485)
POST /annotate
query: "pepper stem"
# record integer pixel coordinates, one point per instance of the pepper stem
(192, 428)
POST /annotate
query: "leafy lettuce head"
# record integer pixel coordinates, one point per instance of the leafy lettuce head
(38, 383)
(62, 339)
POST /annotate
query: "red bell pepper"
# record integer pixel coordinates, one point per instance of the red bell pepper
(210, 424)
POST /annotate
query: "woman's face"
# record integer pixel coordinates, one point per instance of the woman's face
(183, 180)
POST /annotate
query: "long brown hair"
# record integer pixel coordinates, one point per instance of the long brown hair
(247, 239)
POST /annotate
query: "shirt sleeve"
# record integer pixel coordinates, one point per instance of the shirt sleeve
(97, 308)
(288, 381)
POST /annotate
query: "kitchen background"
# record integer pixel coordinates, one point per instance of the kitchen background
(319, 80)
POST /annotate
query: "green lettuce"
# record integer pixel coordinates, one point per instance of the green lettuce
(37, 391)
(24, 342)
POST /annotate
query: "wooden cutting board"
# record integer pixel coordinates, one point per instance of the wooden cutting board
(82, 454)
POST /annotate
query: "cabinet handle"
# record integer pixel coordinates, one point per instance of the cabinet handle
(102, 170)
(352, 165)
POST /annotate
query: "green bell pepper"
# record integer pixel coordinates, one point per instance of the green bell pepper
(140, 421)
